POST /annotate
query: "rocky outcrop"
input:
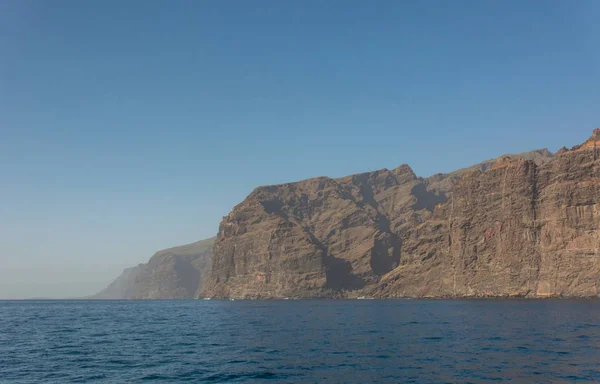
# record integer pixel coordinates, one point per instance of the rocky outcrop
(522, 225)
(174, 273)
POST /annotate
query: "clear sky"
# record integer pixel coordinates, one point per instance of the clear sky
(131, 126)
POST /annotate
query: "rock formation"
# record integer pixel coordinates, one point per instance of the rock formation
(522, 225)
(123, 287)
(174, 273)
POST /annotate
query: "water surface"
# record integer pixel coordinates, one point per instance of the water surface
(306, 341)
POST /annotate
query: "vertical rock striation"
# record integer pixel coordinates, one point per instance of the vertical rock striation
(522, 225)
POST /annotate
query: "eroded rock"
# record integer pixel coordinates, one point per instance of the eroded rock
(522, 225)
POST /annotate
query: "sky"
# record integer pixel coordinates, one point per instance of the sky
(127, 127)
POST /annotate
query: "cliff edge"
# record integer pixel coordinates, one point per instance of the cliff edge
(522, 225)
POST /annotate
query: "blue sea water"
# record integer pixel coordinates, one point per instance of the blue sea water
(305, 341)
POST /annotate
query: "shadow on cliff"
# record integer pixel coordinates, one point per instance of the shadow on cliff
(426, 199)
(382, 260)
(339, 275)
(337, 271)
(273, 207)
(189, 277)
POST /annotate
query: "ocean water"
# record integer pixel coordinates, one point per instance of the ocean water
(306, 341)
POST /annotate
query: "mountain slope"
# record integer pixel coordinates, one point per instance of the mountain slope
(521, 225)
(174, 273)
(122, 287)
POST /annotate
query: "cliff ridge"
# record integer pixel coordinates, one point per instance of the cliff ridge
(522, 225)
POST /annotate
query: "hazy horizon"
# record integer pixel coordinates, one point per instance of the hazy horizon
(131, 127)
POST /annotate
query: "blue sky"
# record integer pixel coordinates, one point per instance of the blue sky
(131, 126)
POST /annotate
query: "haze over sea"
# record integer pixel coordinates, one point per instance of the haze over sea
(305, 341)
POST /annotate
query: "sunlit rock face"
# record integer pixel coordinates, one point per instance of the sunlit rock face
(520, 225)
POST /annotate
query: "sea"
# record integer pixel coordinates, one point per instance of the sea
(300, 341)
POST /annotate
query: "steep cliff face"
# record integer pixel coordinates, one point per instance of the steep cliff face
(174, 273)
(123, 287)
(318, 237)
(568, 211)
(521, 225)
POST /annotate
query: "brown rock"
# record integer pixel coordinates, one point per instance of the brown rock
(522, 225)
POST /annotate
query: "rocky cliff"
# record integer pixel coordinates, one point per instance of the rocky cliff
(174, 273)
(123, 287)
(522, 225)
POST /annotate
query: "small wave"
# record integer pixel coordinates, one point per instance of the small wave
(228, 377)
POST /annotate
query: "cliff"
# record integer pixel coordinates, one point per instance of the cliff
(522, 225)
(123, 287)
(174, 273)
